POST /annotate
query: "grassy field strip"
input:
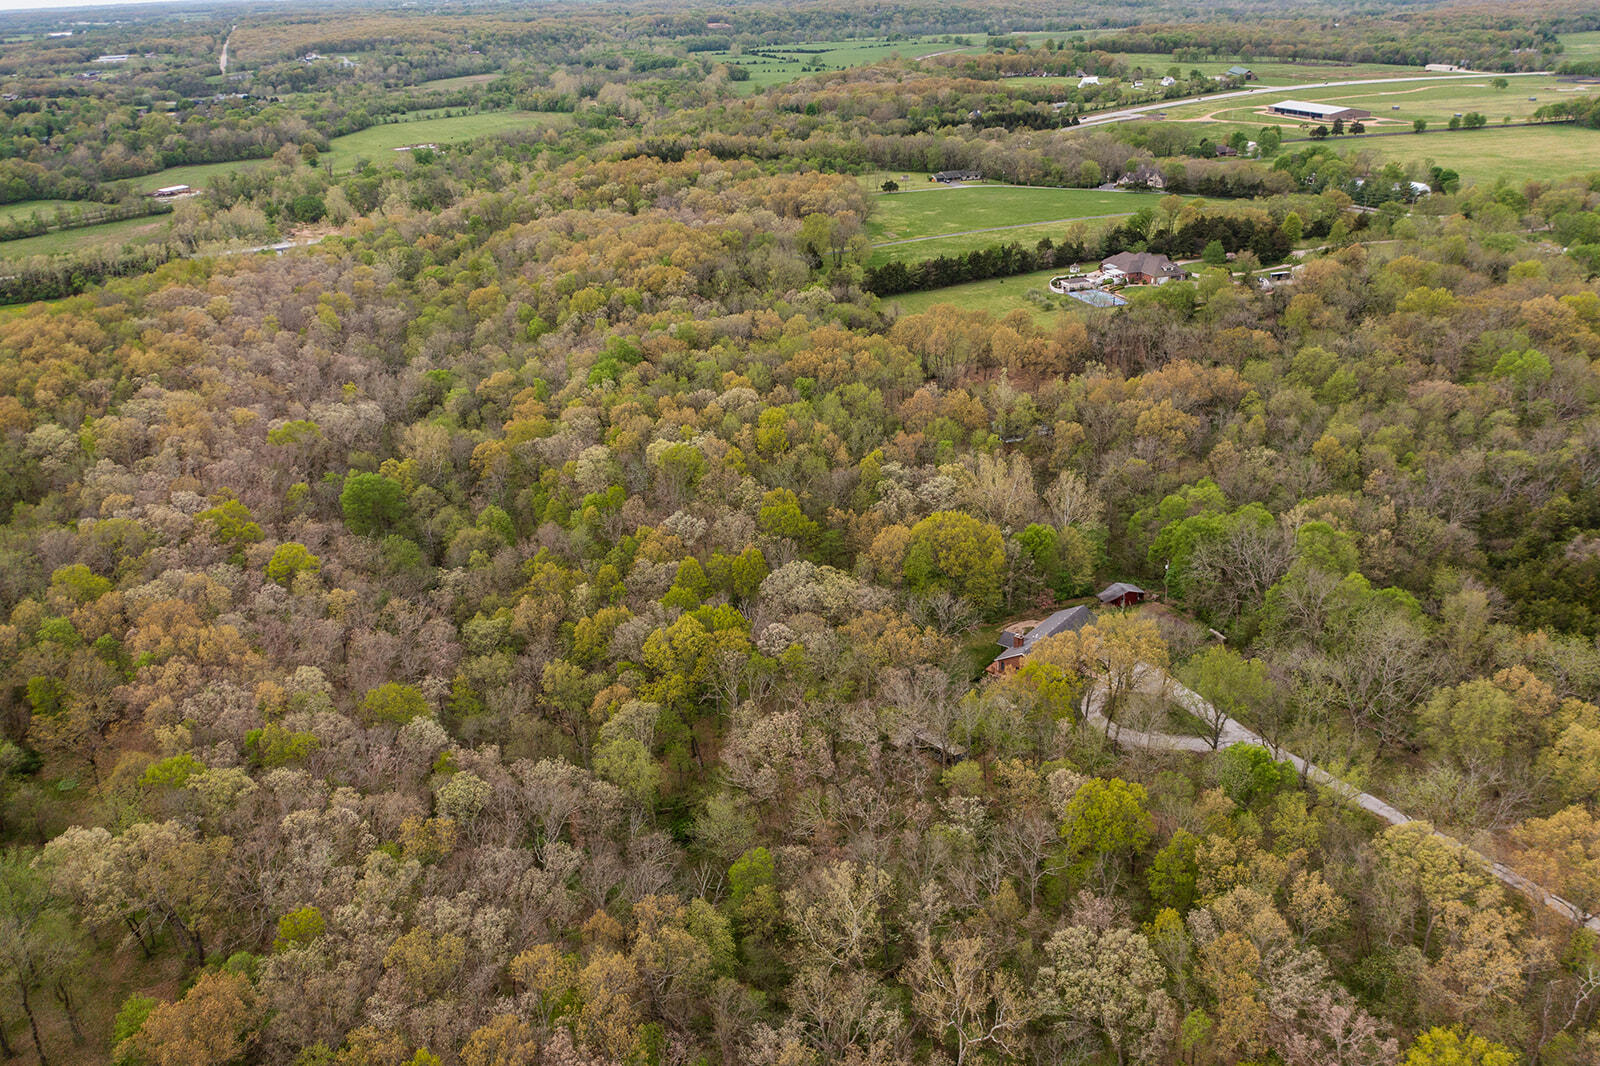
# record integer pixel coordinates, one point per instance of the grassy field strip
(368, 143)
(1000, 229)
(72, 240)
(964, 208)
(46, 208)
(1581, 45)
(999, 296)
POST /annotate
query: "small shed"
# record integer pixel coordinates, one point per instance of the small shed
(1121, 594)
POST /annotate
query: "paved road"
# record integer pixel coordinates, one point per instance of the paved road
(1234, 733)
(1126, 113)
(223, 62)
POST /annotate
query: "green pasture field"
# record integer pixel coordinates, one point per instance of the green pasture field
(369, 143)
(788, 64)
(961, 243)
(1518, 154)
(999, 296)
(129, 230)
(462, 82)
(1433, 101)
(46, 209)
(1581, 45)
(372, 142)
(927, 212)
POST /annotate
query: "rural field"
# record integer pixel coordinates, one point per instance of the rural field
(1267, 72)
(1581, 45)
(929, 222)
(45, 208)
(76, 240)
(1516, 153)
(998, 296)
(344, 152)
(777, 64)
(463, 82)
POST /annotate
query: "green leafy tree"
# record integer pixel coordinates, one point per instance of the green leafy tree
(394, 703)
(290, 559)
(1457, 1047)
(955, 552)
(1107, 818)
(372, 504)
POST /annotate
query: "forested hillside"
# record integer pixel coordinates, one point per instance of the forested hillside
(545, 621)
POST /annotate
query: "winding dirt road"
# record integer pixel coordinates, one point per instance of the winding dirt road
(1233, 733)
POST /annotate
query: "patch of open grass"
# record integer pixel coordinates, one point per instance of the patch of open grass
(150, 229)
(926, 210)
(999, 296)
(780, 63)
(1581, 45)
(461, 82)
(1517, 153)
(46, 209)
(371, 142)
(978, 649)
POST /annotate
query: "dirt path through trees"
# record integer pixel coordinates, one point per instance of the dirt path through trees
(1233, 733)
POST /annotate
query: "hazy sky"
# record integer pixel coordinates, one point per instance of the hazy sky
(62, 5)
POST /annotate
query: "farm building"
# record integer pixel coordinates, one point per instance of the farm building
(1143, 268)
(958, 175)
(167, 192)
(1017, 645)
(1121, 594)
(1242, 73)
(1317, 112)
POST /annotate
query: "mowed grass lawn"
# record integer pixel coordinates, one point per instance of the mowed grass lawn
(1271, 73)
(998, 296)
(374, 143)
(370, 143)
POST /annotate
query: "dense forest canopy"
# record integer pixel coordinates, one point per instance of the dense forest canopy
(545, 617)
